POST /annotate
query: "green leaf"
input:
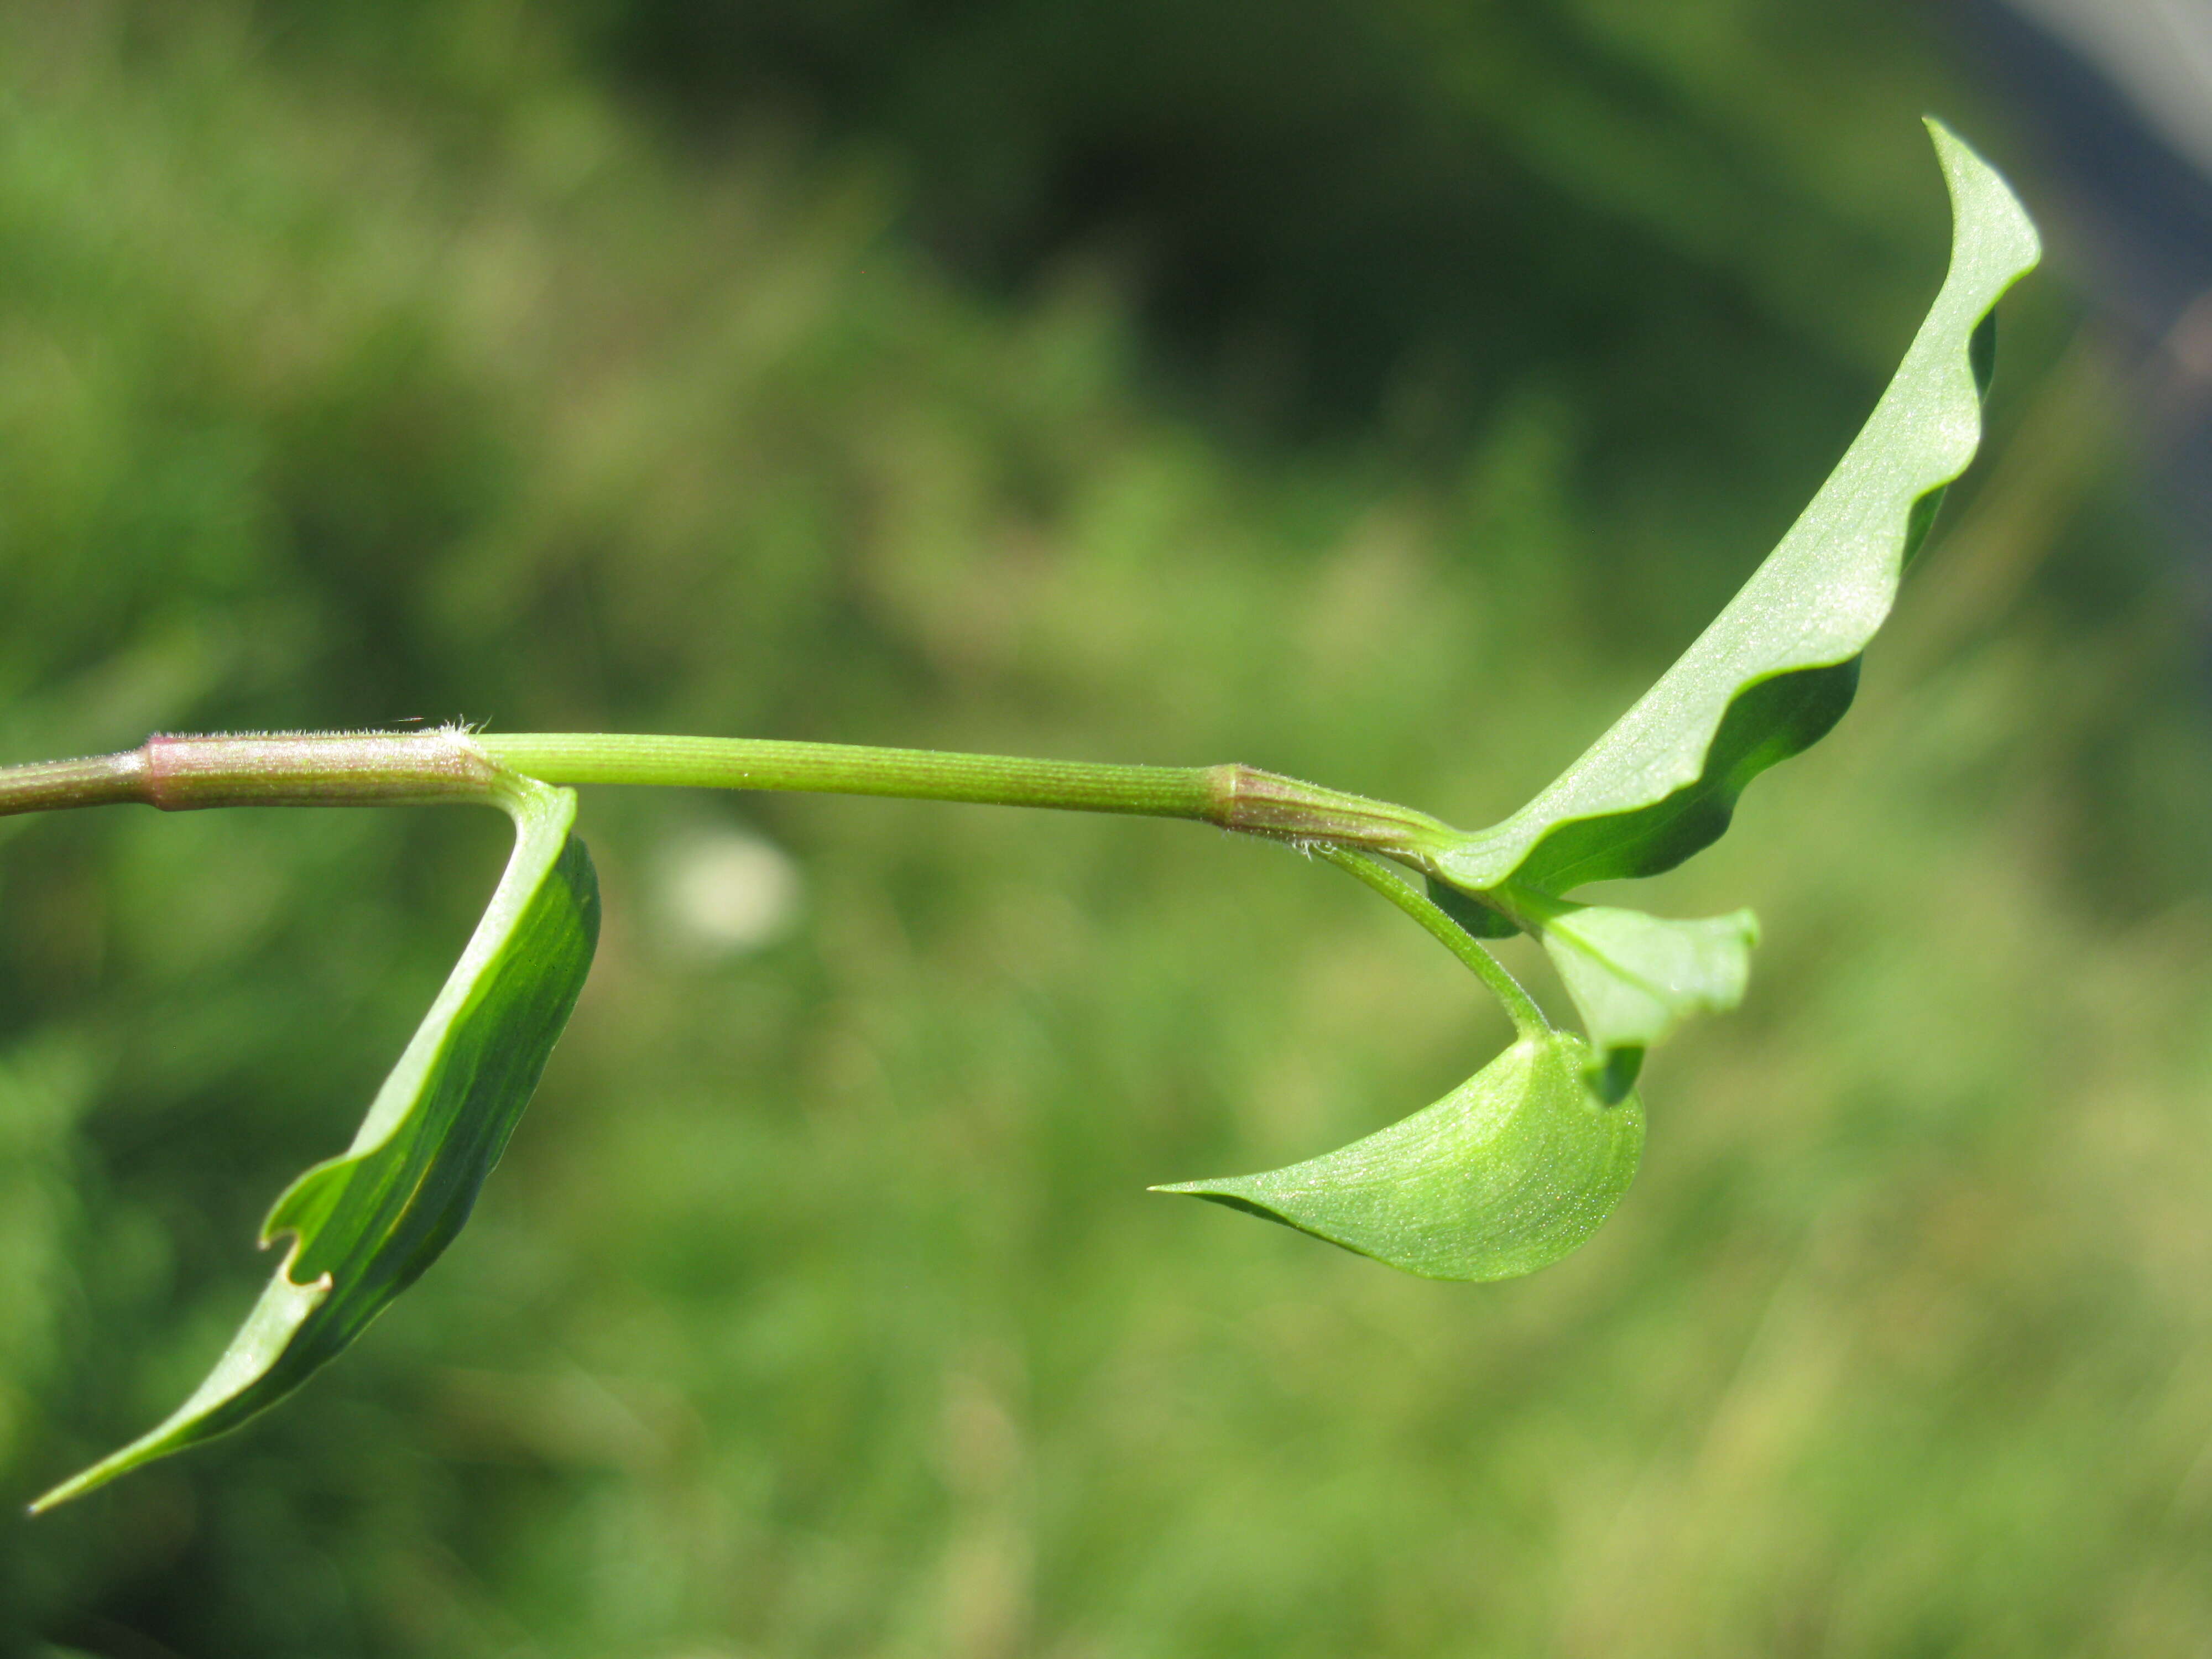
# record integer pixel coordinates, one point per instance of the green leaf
(1508, 1173)
(1779, 666)
(1634, 977)
(366, 1225)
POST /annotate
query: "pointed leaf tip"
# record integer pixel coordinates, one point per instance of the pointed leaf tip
(1509, 1173)
(1779, 666)
(364, 1225)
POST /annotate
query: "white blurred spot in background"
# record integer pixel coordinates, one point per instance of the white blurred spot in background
(719, 893)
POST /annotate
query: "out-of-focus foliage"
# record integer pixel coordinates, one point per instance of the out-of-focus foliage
(1310, 192)
(816, 1309)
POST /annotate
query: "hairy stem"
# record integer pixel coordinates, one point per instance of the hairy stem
(262, 769)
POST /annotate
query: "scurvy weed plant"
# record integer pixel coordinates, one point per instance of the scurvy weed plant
(1509, 1172)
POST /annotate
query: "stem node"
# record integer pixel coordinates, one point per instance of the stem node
(314, 769)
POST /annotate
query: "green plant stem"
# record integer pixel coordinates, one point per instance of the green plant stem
(318, 768)
(98, 781)
(1240, 798)
(1527, 1018)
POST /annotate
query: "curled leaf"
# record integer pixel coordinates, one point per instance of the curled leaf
(1508, 1173)
(1777, 668)
(366, 1225)
(1635, 977)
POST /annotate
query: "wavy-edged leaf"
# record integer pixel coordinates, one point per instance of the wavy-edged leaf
(366, 1225)
(1508, 1173)
(1635, 977)
(1776, 669)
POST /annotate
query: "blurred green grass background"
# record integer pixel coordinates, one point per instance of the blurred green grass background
(1379, 396)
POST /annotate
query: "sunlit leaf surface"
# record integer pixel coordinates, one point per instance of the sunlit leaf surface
(1775, 671)
(1777, 667)
(1508, 1173)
